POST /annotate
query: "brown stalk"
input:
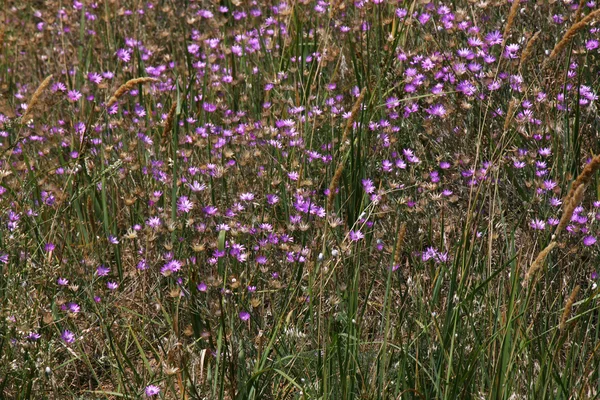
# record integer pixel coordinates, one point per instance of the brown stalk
(529, 49)
(584, 177)
(509, 114)
(568, 308)
(333, 185)
(36, 98)
(538, 262)
(570, 34)
(340, 169)
(511, 19)
(570, 206)
(169, 120)
(126, 87)
(353, 114)
(399, 242)
(579, 10)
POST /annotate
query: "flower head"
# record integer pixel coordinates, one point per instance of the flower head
(152, 390)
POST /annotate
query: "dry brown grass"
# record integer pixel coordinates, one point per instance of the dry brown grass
(126, 87)
(570, 34)
(35, 99)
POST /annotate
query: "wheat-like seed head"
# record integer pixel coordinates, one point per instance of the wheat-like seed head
(510, 20)
(36, 98)
(338, 172)
(528, 49)
(127, 86)
(538, 262)
(569, 209)
(570, 34)
(568, 308)
(169, 120)
(399, 242)
(584, 177)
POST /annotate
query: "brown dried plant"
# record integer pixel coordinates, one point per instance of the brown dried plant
(570, 34)
(35, 99)
(127, 86)
(537, 264)
(510, 21)
(169, 120)
(568, 308)
(529, 49)
(340, 169)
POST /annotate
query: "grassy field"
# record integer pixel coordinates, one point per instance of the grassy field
(299, 199)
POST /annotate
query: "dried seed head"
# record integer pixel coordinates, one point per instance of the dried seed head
(570, 34)
(568, 308)
(538, 262)
(36, 98)
(126, 87)
(510, 20)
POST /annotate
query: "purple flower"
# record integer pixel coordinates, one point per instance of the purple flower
(67, 336)
(74, 95)
(211, 210)
(102, 270)
(368, 185)
(244, 315)
(184, 204)
(589, 240)
(95, 77)
(62, 282)
(153, 222)
(493, 38)
(152, 390)
(201, 287)
(124, 55)
(537, 224)
(171, 267)
(112, 285)
(246, 196)
(73, 308)
(591, 44)
(437, 110)
(355, 235)
(142, 265)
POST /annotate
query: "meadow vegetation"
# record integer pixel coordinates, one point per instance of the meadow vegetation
(299, 199)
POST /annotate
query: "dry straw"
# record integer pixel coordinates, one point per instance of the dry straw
(512, 106)
(399, 242)
(538, 262)
(579, 10)
(570, 204)
(529, 49)
(568, 308)
(340, 169)
(510, 21)
(585, 177)
(35, 99)
(169, 120)
(570, 34)
(353, 114)
(126, 87)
